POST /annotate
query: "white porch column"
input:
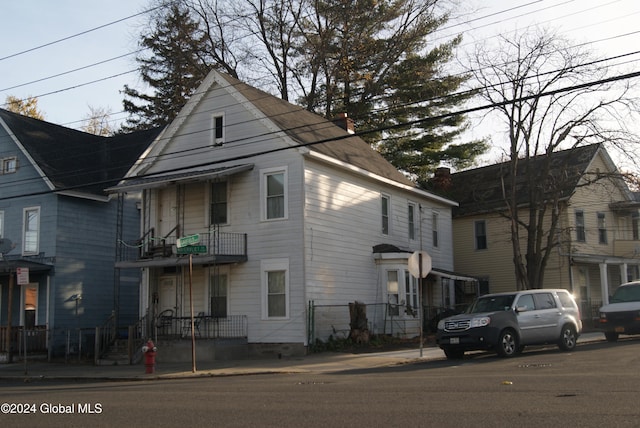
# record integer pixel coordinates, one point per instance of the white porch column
(623, 273)
(604, 283)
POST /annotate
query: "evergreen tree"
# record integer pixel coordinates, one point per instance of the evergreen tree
(175, 68)
(374, 63)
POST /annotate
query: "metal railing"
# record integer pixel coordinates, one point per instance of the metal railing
(205, 327)
(106, 335)
(138, 334)
(150, 246)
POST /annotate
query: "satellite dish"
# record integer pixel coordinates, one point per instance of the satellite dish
(5, 245)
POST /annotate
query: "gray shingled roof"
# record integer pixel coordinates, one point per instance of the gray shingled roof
(479, 190)
(307, 128)
(75, 160)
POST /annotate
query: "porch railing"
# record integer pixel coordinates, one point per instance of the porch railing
(34, 338)
(205, 327)
(151, 246)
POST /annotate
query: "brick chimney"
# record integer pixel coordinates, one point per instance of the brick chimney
(441, 179)
(345, 122)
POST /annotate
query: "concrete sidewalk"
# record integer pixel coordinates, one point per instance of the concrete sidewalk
(325, 362)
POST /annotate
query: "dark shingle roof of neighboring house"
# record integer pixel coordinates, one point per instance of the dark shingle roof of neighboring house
(479, 190)
(307, 128)
(74, 160)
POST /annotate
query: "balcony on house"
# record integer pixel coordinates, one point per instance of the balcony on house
(208, 247)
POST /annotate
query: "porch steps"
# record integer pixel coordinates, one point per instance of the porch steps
(117, 355)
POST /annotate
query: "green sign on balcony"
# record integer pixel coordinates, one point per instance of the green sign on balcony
(188, 240)
(192, 249)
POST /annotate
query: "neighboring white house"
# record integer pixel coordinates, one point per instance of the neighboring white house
(294, 218)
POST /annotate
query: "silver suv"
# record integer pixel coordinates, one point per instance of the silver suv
(507, 322)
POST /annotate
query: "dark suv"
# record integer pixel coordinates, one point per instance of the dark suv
(507, 322)
(622, 314)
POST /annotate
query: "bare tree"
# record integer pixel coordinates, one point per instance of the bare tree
(26, 107)
(97, 121)
(550, 96)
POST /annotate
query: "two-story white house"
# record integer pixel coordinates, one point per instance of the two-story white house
(262, 218)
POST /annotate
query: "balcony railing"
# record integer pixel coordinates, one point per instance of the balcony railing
(223, 245)
(205, 327)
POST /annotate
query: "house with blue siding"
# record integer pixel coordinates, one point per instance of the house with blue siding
(262, 222)
(58, 232)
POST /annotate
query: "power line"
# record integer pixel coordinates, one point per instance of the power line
(82, 33)
(346, 136)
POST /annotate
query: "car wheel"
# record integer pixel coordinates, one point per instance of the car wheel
(611, 336)
(568, 338)
(453, 354)
(507, 344)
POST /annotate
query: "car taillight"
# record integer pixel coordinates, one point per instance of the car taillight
(603, 317)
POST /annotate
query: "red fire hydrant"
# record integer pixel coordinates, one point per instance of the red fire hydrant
(149, 350)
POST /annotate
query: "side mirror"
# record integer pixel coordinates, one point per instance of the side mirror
(521, 309)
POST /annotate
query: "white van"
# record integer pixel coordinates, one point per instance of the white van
(622, 314)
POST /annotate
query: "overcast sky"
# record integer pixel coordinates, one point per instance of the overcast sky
(73, 54)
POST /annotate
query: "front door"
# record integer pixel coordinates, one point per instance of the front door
(167, 295)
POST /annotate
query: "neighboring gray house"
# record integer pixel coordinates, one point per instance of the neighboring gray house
(289, 219)
(58, 223)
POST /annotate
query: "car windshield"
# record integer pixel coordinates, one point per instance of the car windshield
(492, 304)
(630, 293)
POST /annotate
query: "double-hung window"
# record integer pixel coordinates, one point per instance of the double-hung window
(411, 220)
(480, 235)
(274, 194)
(411, 291)
(217, 130)
(275, 285)
(219, 202)
(31, 230)
(602, 229)
(434, 229)
(580, 235)
(386, 207)
(393, 293)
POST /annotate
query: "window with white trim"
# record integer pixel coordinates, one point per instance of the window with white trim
(217, 129)
(580, 234)
(434, 229)
(385, 209)
(9, 165)
(411, 220)
(602, 228)
(274, 194)
(480, 231)
(31, 230)
(219, 204)
(275, 286)
(393, 293)
(411, 292)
